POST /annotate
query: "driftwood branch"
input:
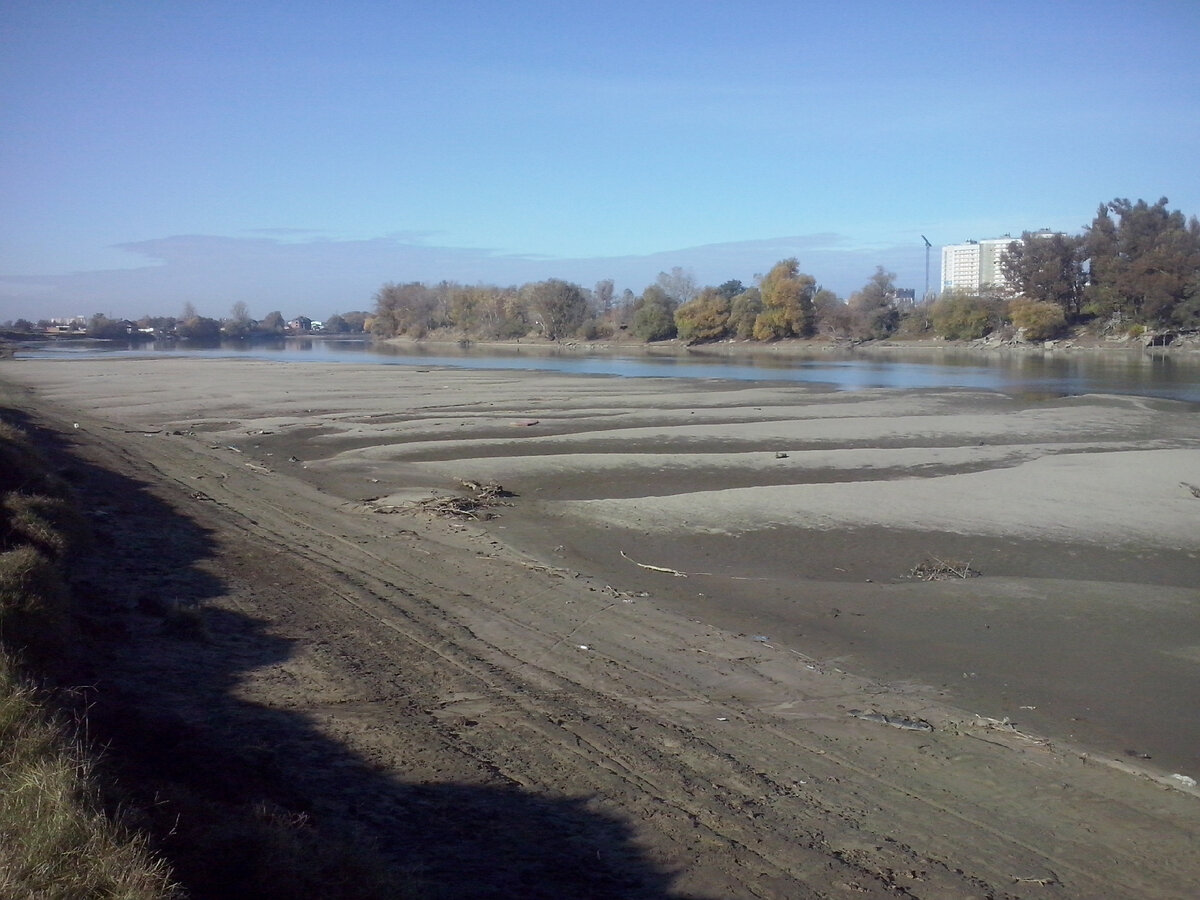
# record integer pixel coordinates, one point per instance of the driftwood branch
(663, 569)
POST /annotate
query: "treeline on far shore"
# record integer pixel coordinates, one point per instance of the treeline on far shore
(1135, 268)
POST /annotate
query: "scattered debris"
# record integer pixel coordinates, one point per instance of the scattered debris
(902, 722)
(664, 569)
(934, 569)
(478, 505)
(1185, 780)
(1191, 487)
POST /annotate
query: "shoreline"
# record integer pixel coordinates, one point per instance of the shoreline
(802, 348)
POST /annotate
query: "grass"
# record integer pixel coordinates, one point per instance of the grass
(55, 840)
(66, 832)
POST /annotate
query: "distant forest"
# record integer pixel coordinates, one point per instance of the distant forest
(1134, 269)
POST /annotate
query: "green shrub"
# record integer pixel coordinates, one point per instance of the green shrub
(960, 316)
(1039, 320)
(654, 321)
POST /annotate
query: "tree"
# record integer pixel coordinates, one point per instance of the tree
(679, 285)
(464, 307)
(731, 288)
(356, 322)
(744, 310)
(239, 324)
(1046, 267)
(335, 324)
(704, 319)
(1142, 265)
(404, 309)
(833, 317)
(874, 306)
(602, 294)
(655, 316)
(273, 323)
(560, 305)
(787, 297)
(101, 326)
(199, 329)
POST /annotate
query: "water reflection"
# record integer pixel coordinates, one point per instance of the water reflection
(1026, 373)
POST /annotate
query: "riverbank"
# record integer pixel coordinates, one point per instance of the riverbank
(705, 616)
(1183, 345)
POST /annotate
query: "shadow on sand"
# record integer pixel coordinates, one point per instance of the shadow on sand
(251, 801)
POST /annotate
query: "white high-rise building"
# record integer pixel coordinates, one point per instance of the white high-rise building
(974, 265)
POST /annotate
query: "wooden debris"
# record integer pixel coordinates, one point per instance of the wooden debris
(905, 723)
(1045, 881)
(674, 572)
(934, 569)
(1006, 727)
(478, 505)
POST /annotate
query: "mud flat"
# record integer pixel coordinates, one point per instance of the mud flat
(708, 614)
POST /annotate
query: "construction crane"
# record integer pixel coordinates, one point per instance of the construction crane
(927, 246)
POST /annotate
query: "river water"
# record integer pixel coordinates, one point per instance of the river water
(1049, 373)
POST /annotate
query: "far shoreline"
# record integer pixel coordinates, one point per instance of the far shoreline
(798, 348)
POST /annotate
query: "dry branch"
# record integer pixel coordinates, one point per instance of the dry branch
(674, 572)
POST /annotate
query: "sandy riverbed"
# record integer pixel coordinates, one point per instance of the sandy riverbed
(718, 573)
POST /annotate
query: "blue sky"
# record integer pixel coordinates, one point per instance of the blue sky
(296, 155)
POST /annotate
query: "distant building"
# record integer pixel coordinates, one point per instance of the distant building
(974, 265)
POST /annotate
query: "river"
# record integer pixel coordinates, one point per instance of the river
(1047, 373)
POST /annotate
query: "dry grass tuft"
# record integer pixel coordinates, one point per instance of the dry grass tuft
(35, 606)
(52, 524)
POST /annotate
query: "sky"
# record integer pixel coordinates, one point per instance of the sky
(295, 156)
